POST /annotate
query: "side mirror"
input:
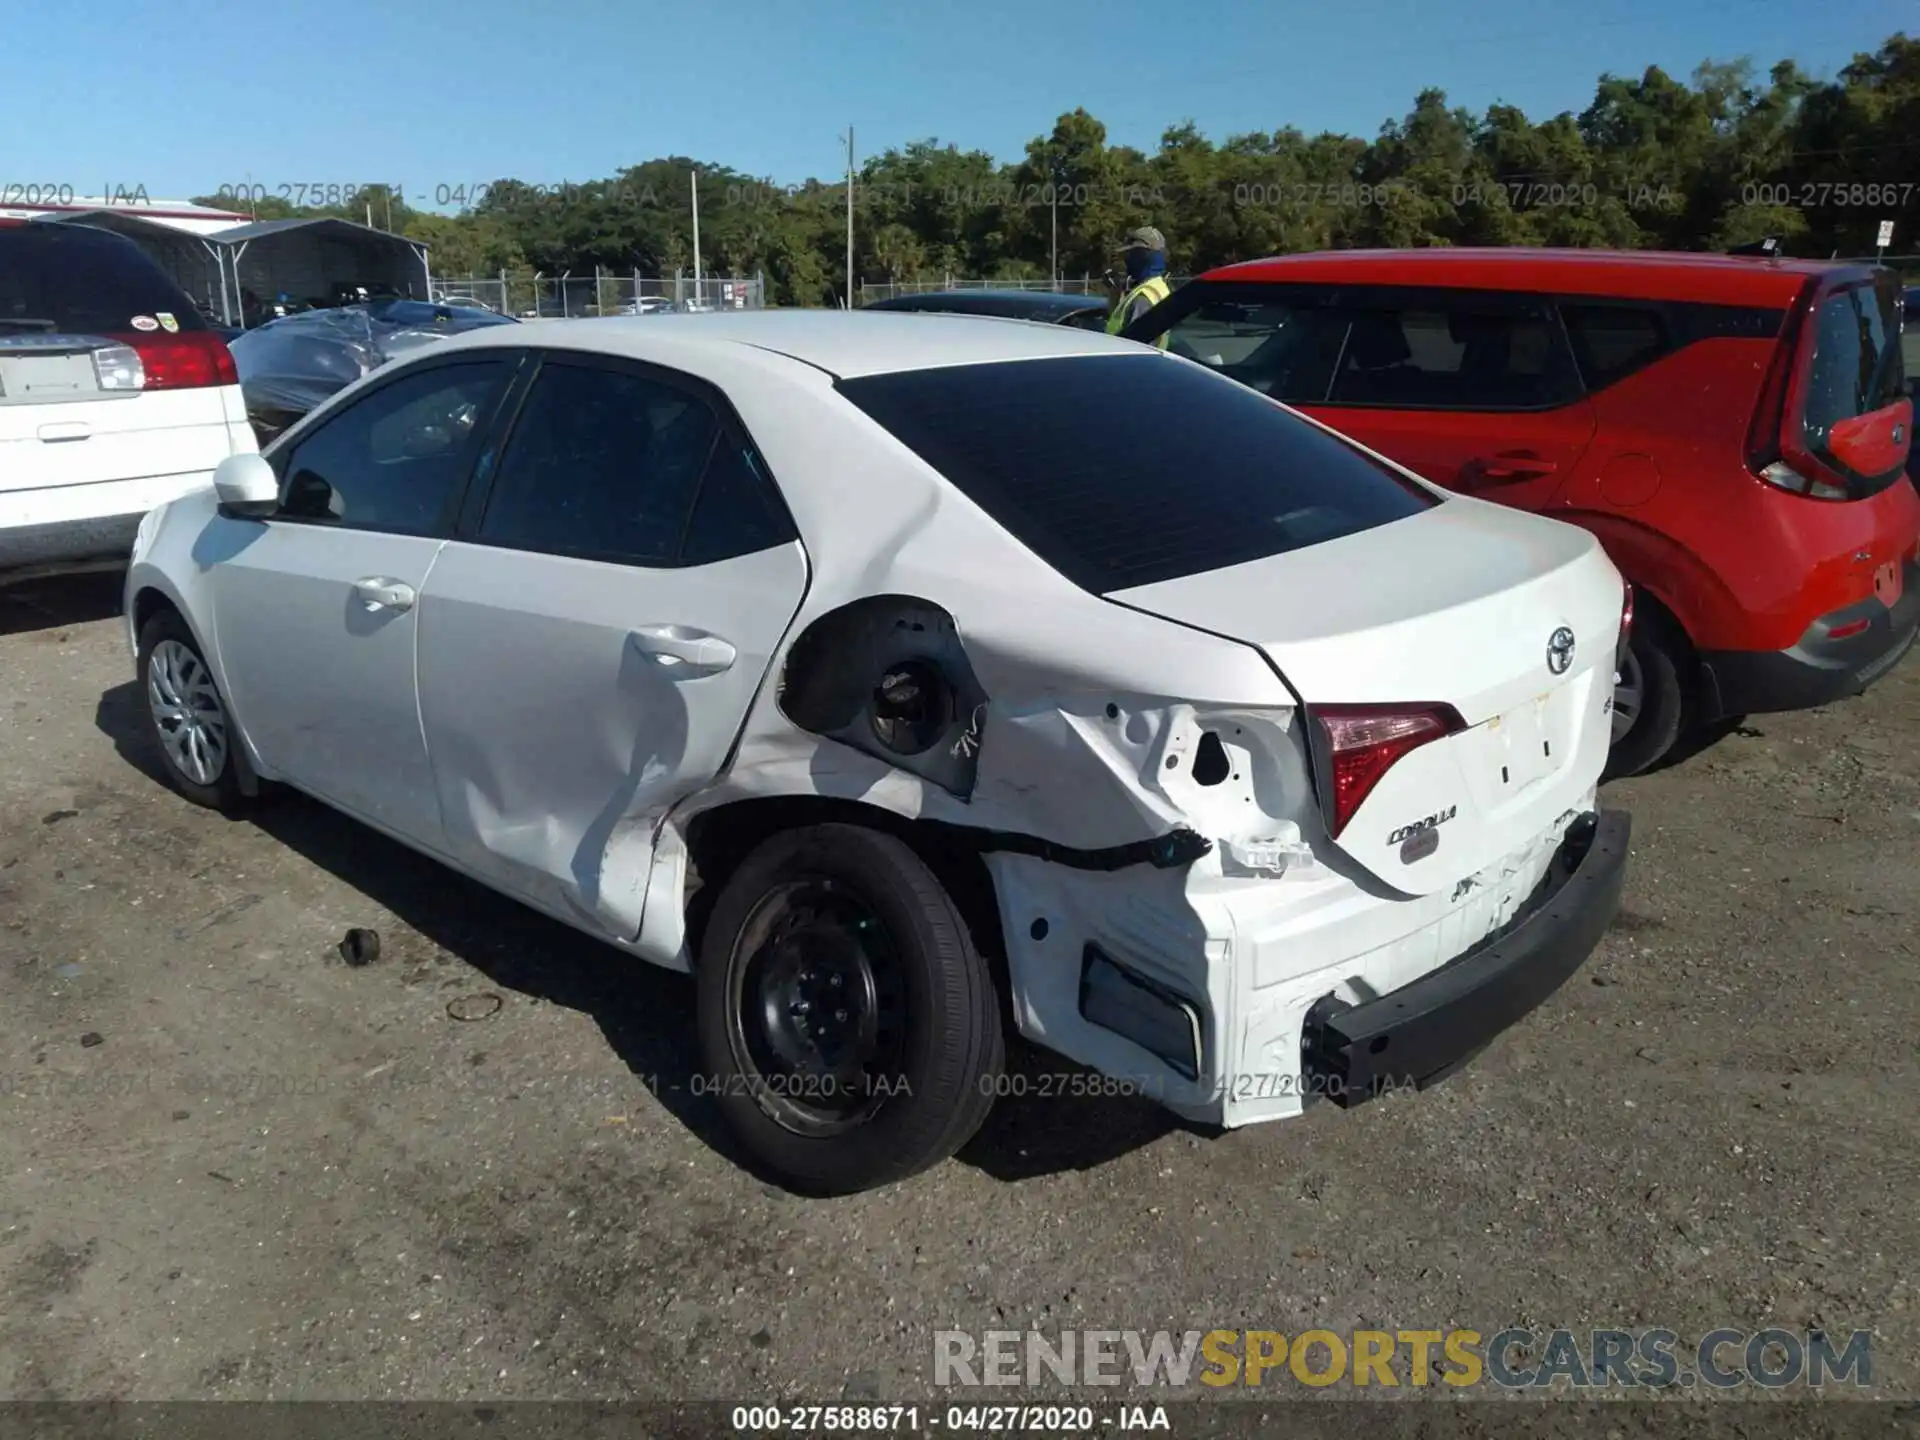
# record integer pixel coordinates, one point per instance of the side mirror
(246, 487)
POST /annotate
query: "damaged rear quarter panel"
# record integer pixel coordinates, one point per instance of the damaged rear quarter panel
(1084, 702)
(1049, 657)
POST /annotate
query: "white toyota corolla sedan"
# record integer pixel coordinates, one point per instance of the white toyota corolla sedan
(984, 673)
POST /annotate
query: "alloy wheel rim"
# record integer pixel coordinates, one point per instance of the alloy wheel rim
(187, 713)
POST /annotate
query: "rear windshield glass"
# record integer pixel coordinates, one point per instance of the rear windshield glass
(1857, 365)
(86, 281)
(1125, 470)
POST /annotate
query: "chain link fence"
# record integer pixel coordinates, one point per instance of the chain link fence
(886, 290)
(534, 296)
(1081, 285)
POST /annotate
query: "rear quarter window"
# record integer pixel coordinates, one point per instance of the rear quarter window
(1126, 470)
(85, 280)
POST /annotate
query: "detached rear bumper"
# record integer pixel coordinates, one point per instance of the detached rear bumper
(1821, 668)
(1424, 1031)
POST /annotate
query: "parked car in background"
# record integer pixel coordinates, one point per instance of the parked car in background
(1733, 430)
(115, 396)
(647, 305)
(877, 630)
(289, 365)
(1088, 312)
(1910, 336)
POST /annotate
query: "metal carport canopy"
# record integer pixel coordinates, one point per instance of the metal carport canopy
(191, 259)
(309, 258)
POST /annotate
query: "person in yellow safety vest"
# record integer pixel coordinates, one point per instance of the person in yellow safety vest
(1145, 252)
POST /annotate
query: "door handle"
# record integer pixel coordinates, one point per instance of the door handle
(1512, 465)
(682, 650)
(377, 592)
(57, 431)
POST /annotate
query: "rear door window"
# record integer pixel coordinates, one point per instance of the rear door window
(79, 280)
(610, 463)
(1283, 346)
(1457, 352)
(603, 464)
(1126, 470)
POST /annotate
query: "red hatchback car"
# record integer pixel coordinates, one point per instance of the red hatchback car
(1735, 431)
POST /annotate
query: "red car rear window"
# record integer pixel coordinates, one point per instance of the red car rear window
(1856, 366)
(1855, 415)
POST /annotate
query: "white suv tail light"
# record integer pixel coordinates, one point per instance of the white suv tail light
(188, 361)
(118, 367)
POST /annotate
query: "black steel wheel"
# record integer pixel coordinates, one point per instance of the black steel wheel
(850, 1030)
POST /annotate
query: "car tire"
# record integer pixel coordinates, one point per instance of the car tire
(187, 717)
(1654, 662)
(907, 1072)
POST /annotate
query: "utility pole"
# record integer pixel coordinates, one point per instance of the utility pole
(849, 301)
(696, 234)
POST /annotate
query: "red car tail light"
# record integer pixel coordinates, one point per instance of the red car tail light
(1363, 742)
(190, 361)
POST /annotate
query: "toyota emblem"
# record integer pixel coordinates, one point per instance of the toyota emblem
(1560, 651)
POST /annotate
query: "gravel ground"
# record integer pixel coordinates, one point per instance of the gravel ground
(231, 1165)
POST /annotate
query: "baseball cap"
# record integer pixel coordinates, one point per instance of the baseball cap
(1144, 237)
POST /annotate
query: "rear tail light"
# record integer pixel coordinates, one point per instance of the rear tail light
(1363, 742)
(165, 362)
(1768, 432)
(1791, 480)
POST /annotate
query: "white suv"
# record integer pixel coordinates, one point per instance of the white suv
(114, 396)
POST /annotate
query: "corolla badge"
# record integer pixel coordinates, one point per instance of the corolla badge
(1560, 651)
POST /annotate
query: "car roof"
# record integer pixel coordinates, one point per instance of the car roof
(843, 343)
(1634, 274)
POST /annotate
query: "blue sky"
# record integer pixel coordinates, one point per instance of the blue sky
(183, 97)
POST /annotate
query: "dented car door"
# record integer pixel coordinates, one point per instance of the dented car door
(594, 634)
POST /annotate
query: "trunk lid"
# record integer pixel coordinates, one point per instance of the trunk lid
(59, 426)
(1458, 606)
